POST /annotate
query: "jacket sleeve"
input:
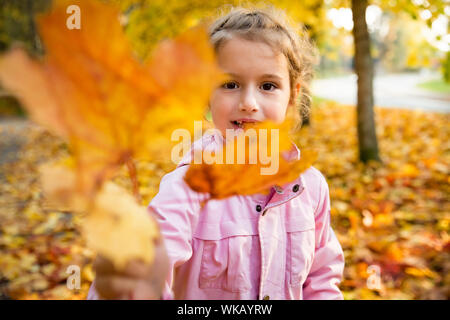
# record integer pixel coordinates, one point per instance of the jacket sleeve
(327, 268)
(173, 208)
(92, 294)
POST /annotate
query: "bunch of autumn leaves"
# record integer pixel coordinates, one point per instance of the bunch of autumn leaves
(113, 110)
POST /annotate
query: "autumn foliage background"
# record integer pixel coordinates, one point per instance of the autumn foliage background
(393, 214)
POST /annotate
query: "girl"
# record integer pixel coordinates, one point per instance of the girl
(279, 246)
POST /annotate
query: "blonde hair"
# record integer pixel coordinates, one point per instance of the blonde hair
(273, 27)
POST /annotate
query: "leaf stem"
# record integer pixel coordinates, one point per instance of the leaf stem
(133, 176)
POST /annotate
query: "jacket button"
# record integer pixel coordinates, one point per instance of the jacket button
(258, 208)
(266, 298)
(295, 188)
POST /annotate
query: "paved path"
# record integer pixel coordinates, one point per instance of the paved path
(394, 90)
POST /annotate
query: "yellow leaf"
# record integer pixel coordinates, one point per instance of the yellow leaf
(408, 170)
(394, 252)
(421, 272)
(119, 228)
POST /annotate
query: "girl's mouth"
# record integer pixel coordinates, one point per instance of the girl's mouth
(241, 124)
(237, 124)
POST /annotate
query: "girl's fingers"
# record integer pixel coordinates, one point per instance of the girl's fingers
(138, 280)
(122, 288)
(144, 291)
(115, 287)
(103, 266)
(136, 269)
(139, 269)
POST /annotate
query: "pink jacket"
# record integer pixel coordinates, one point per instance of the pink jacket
(276, 246)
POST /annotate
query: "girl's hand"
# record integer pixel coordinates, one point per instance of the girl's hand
(139, 281)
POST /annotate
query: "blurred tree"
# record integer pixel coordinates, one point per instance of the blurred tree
(446, 67)
(402, 43)
(368, 145)
(17, 24)
(149, 21)
(336, 51)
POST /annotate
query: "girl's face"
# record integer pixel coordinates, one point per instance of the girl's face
(258, 88)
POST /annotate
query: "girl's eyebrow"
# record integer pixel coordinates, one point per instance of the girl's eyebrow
(265, 76)
(272, 76)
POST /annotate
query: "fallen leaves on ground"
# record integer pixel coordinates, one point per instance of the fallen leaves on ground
(394, 215)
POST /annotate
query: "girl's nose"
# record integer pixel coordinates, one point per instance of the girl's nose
(248, 102)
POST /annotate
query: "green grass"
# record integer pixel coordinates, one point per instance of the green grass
(318, 100)
(438, 85)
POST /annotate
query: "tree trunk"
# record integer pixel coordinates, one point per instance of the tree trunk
(368, 146)
(31, 26)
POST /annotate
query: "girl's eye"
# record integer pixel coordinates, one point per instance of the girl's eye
(230, 85)
(268, 86)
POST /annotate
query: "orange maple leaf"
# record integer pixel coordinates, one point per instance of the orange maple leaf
(90, 89)
(228, 177)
